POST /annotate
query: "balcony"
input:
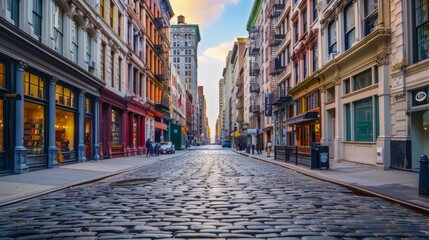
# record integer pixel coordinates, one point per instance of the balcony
(165, 103)
(159, 23)
(254, 69)
(276, 67)
(161, 77)
(254, 87)
(279, 97)
(159, 49)
(254, 50)
(254, 108)
(276, 39)
(277, 10)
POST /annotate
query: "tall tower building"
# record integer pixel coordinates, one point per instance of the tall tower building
(184, 39)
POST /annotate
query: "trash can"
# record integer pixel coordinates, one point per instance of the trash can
(323, 156)
(314, 156)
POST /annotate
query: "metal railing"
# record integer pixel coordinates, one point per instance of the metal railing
(300, 155)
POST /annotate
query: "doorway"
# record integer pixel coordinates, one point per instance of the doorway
(88, 138)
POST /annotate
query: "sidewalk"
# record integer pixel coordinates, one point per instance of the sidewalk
(394, 185)
(19, 187)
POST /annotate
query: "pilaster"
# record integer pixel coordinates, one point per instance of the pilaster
(96, 128)
(81, 127)
(52, 149)
(338, 146)
(20, 152)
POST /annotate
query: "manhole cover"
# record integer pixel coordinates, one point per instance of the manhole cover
(133, 182)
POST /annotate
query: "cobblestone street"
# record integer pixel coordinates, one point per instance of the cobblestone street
(210, 193)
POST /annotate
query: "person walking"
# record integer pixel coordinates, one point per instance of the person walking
(257, 148)
(253, 148)
(148, 147)
(157, 149)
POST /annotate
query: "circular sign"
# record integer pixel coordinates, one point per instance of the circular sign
(421, 96)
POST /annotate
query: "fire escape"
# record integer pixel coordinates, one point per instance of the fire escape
(254, 69)
(240, 100)
(277, 65)
(161, 50)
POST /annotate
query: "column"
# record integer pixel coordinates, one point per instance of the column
(383, 141)
(323, 118)
(81, 156)
(123, 129)
(107, 130)
(52, 150)
(96, 128)
(20, 152)
(338, 147)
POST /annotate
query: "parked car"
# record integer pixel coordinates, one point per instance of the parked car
(167, 147)
(226, 144)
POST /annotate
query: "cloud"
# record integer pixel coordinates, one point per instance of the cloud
(202, 12)
(217, 53)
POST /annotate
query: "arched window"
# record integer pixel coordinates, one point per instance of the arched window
(349, 25)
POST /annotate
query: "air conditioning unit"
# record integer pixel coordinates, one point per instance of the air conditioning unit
(136, 33)
(333, 55)
(91, 64)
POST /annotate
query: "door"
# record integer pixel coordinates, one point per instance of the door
(88, 138)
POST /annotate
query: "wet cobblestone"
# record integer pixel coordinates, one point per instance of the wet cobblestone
(210, 194)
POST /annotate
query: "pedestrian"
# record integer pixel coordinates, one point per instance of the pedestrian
(257, 148)
(253, 148)
(157, 149)
(148, 147)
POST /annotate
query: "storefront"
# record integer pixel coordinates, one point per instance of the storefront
(136, 136)
(419, 114)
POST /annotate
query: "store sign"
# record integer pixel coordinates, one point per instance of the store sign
(420, 97)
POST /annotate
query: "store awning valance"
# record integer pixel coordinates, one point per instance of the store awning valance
(308, 116)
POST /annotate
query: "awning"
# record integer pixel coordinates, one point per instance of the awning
(238, 134)
(308, 116)
(253, 131)
(160, 125)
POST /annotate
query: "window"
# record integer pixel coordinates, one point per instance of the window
(112, 62)
(87, 105)
(102, 10)
(120, 74)
(348, 122)
(296, 32)
(58, 29)
(363, 116)
(37, 19)
(13, 8)
(362, 80)
(349, 25)
(103, 62)
(88, 47)
(296, 73)
(112, 12)
(314, 8)
(74, 38)
(120, 24)
(332, 38)
(422, 29)
(371, 15)
(64, 96)
(305, 65)
(2, 75)
(304, 21)
(315, 57)
(34, 86)
(347, 86)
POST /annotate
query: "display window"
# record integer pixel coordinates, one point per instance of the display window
(2, 75)
(65, 133)
(64, 96)
(34, 128)
(34, 86)
(1, 126)
(87, 105)
(88, 137)
(135, 132)
(115, 127)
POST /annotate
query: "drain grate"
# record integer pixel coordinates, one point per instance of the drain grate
(132, 182)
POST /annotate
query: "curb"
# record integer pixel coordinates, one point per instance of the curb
(357, 189)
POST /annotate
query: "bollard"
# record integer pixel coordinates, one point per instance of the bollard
(423, 175)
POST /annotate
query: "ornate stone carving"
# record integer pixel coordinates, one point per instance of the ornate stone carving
(382, 60)
(54, 80)
(22, 64)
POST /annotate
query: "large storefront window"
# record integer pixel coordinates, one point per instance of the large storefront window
(64, 96)
(135, 132)
(419, 135)
(65, 133)
(34, 86)
(1, 126)
(34, 128)
(115, 127)
(363, 126)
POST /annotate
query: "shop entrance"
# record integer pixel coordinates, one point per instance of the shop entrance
(419, 137)
(88, 138)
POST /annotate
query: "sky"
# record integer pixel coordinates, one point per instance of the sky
(220, 23)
